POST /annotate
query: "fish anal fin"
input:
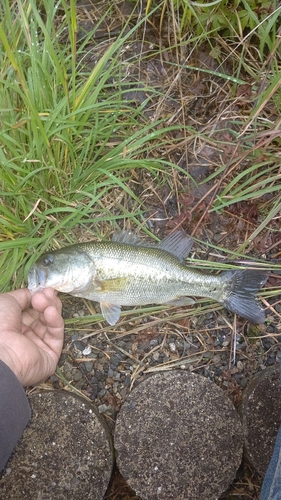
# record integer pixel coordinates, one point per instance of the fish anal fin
(180, 301)
(110, 312)
(178, 244)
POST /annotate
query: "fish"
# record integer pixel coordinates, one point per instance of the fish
(128, 272)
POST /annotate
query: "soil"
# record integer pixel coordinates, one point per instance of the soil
(104, 363)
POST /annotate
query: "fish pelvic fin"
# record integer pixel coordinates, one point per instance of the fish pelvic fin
(110, 312)
(241, 289)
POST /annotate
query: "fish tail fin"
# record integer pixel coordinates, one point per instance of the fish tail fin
(240, 294)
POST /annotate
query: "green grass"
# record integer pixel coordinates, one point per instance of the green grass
(72, 144)
(68, 137)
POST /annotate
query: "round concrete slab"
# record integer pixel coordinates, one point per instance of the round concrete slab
(261, 416)
(178, 437)
(65, 452)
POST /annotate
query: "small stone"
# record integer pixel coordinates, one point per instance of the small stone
(153, 342)
(80, 346)
(77, 375)
(216, 359)
(67, 367)
(156, 356)
(271, 360)
(78, 313)
(114, 361)
(127, 381)
(267, 343)
(100, 375)
(243, 382)
(94, 393)
(109, 382)
(240, 366)
(88, 365)
(92, 355)
(172, 347)
(103, 408)
(87, 351)
(207, 355)
(278, 308)
(123, 392)
(240, 347)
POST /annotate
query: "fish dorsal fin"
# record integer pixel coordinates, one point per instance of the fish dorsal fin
(110, 312)
(178, 244)
(127, 237)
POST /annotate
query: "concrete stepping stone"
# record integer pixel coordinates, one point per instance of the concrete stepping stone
(261, 416)
(65, 452)
(178, 436)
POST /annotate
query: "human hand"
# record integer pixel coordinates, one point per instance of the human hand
(31, 340)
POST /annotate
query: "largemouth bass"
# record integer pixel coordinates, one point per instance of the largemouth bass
(126, 272)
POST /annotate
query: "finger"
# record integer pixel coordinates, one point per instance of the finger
(22, 296)
(53, 318)
(34, 317)
(55, 331)
(11, 306)
(54, 335)
(45, 317)
(47, 330)
(45, 298)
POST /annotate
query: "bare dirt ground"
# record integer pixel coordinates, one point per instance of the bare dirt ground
(104, 362)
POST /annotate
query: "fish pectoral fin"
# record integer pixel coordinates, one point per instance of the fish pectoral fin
(111, 285)
(178, 244)
(181, 301)
(110, 312)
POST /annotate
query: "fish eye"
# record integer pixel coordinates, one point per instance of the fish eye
(48, 259)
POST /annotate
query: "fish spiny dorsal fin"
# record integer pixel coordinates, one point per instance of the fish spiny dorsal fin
(178, 244)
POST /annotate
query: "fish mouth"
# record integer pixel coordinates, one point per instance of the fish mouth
(36, 279)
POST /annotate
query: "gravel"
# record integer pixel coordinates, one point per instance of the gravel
(107, 364)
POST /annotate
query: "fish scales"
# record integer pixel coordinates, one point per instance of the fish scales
(127, 272)
(151, 275)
